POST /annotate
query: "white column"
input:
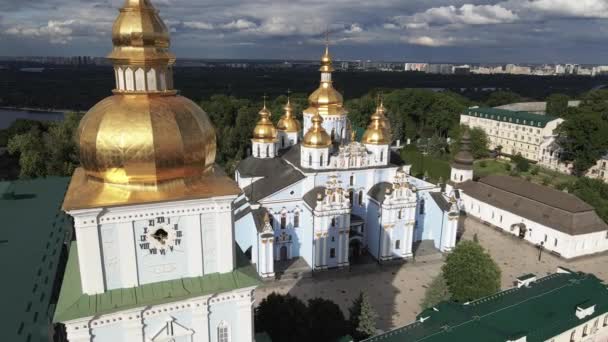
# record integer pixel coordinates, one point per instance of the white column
(89, 259)
(245, 316)
(128, 257)
(270, 258)
(225, 238)
(200, 319)
(134, 328)
(195, 248)
(76, 333)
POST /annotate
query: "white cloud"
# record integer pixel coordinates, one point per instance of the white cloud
(390, 26)
(566, 8)
(58, 32)
(353, 29)
(240, 24)
(467, 14)
(429, 41)
(198, 25)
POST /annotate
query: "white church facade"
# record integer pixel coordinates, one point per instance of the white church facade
(321, 195)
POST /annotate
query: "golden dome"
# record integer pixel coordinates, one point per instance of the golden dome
(375, 134)
(326, 100)
(146, 141)
(140, 36)
(316, 136)
(288, 123)
(264, 130)
(384, 122)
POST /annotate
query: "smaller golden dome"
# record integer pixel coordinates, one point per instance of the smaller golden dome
(384, 123)
(288, 122)
(316, 136)
(375, 134)
(140, 36)
(264, 130)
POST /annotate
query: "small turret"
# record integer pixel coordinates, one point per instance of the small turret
(462, 165)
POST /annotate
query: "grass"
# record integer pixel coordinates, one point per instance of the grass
(434, 167)
(555, 179)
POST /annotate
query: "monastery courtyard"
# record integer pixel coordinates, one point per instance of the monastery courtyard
(397, 290)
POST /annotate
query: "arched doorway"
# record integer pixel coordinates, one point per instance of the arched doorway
(283, 253)
(354, 250)
(522, 229)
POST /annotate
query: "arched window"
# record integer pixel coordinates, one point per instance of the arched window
(258, 150)
(333, 135)
(223, 333)
(283, 221)
(585, 333)
(333, 221)
(573, 336)
(422, 207)
(605, 320)
(461, 178)
(400, 213)
(296, 219)
(309, 159)
(267, 151)
(398, 244)
(321, 160)
(381, 156)
(360, 198)
(352, 180)
(350, 196)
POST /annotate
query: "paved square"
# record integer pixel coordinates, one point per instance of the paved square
(396, 291)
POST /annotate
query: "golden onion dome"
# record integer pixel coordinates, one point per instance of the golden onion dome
(384, 122)
(317, 137)
(146, 141)
(375, 134)
(288, 122)
(264, 130)
(326, 61)
(326, 100)
(140, 36)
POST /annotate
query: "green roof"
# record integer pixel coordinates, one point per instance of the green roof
(520, 118)
(74, 304)
(31, 244)
(541, 311)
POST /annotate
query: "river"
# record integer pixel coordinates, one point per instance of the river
(8, 116)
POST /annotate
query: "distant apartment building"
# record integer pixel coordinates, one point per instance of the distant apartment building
(516, 132)
(444, 69)
(420, 67)
(517, 70)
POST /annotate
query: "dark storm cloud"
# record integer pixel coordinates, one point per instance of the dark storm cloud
(492, 31)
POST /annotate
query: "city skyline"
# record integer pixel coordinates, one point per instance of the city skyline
(517, 31)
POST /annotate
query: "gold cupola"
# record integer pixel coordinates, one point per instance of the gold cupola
(145, 143)
(326, 100)
(288, 122)
(375, 134)
(316, 137)
(264, 130)
(384, 122)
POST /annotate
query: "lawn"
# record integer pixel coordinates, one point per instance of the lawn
(488, 167)
(434, 168)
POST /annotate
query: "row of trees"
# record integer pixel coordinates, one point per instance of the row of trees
(287, 318)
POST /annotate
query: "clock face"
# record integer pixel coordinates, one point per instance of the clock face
(161, 235)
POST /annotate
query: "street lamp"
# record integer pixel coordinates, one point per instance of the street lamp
(541, 246)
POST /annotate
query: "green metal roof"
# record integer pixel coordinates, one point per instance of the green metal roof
(541, 311)
(32, 235)
(520, 118)
(74, 304)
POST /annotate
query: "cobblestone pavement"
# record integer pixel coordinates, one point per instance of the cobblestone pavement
(397, 290)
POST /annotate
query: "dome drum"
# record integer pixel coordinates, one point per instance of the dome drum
(143, 79)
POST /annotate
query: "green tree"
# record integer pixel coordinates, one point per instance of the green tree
(557, 105)
(327, 323)
(283, 317)
(503, 97)
(479, 142)
(521, 164)
(436, 292)
(47, 153)
(470, 272)
(584, 140)
(362, 318)
(594, 192)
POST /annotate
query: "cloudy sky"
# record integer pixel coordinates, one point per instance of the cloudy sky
(402, 30)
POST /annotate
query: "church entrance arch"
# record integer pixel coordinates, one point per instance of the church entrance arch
(283, 253)
(522, 229)
(354, 249)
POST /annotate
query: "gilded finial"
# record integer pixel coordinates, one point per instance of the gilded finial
(264, 97)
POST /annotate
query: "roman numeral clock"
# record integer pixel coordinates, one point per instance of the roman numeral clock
(161, 248)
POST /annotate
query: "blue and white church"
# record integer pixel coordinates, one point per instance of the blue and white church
(318, 194)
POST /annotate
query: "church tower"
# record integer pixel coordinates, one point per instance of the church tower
(377, 137)
(462, 166)
(154, 257)
(289, 127)
(264, 141)
(329, 104)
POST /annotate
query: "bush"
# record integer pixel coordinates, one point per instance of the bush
(283, 317)
(436, 292)
(528, 178)
(522, 164)
(326, 319)
(483, 164)
(514, 173)
(508, 166)
(562, 186)
(546, 181)
(362, 318)
(535, 170)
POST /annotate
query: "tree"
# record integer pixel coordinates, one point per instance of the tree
(479, 142)
(436, 292)
(470, 272)
(47, 153)
(503, 97)
(283, 317)
(557, 105)
(326, 320)
(362, 318)
(584, 140)
(521, 164)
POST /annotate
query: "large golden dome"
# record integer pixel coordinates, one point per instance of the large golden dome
(146, 141)
(384, 122)
(326, 100)
(264, 130)
(140, 36)
(316, 136)
(288, 123)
